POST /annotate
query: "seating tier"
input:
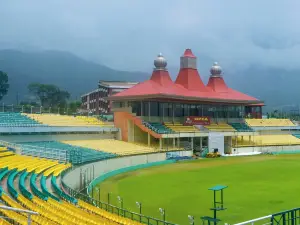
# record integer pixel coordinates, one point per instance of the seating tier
(179, 127)
(270, 123)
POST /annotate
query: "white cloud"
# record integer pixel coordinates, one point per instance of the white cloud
(128, 34)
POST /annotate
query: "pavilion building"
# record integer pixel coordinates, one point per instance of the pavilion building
(187, 101)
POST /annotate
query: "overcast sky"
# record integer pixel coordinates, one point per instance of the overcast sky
(129, 34)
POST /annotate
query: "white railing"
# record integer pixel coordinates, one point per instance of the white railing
(259, 221)
(28, 212)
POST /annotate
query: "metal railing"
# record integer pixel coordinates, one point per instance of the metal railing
(261, 221)
(112, 208)
(28, 212)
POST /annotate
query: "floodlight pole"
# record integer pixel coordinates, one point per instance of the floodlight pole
(163, 213)
(139, 205)
(108, 198)
(191, 219)
(120, 199)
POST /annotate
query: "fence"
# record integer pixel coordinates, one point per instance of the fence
(23, 211)
(34, 109)
(114, 209)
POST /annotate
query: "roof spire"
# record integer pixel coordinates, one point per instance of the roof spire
(160, 62)
(216, 70)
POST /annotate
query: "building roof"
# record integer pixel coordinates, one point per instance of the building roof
(117, 84)
(188, 86)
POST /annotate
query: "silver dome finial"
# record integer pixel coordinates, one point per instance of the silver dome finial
(160, 62)
(216, 70)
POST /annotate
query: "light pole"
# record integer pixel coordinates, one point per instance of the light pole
(108, 198)
(191, 219)
(120, 200)
(139, 205)
(163, 214)
(98, 190)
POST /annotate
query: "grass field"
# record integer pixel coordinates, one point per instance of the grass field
(257, 186)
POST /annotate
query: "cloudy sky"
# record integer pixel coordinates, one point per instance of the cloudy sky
(128, 34)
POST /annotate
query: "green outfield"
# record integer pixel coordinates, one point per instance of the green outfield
(257, 186)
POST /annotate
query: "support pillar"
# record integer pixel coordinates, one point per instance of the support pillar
(192, 143)
(201, 143)
(174, 143)
(160, 144)
(178, 143)
(149, 111)
(133, 136)
(149, 140)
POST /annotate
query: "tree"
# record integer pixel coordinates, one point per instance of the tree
(74, 106)
(49, 95)
(3, 84)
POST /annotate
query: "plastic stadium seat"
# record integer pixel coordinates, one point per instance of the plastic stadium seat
(220, 127)
(241, 127)
(269, 122)
(266, 140)
(179, 127)
(52, 208)
(112, 146)
(10, 119)
(158, 127)
(64, 120)
(75, 154)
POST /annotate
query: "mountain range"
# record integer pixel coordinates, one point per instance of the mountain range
(277, 87)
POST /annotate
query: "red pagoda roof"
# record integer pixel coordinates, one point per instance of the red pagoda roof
(188, 85)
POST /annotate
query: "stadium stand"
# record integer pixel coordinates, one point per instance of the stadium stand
(158, 127)
(53, 208)
(55, 150)
(241, 127)
(112, 146)
(296, 135)
(9, 119)
(220, 127)
(63, 120)
(269, 122)
(266, 140)
(179, 127)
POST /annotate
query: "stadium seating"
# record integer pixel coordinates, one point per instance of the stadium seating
(8, 119)
(241, 127)
(112, 146)
(296, 135)
(64, 120)
(75, 154)
(220, 127)
(266, 140)
(53, 208)
(179, 127)
(158, 127)
(269, 122)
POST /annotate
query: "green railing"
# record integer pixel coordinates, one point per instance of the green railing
(112, 208)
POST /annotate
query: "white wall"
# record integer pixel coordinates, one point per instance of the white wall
(72, 179)
(55, 137)
(216, 140)
(267, 148)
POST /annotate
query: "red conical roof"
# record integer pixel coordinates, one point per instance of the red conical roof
(188, 75)
(162, 78)
(217, 84)
(190, 79)
(188, 53)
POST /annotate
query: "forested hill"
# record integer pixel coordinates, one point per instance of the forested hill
(63, 69)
